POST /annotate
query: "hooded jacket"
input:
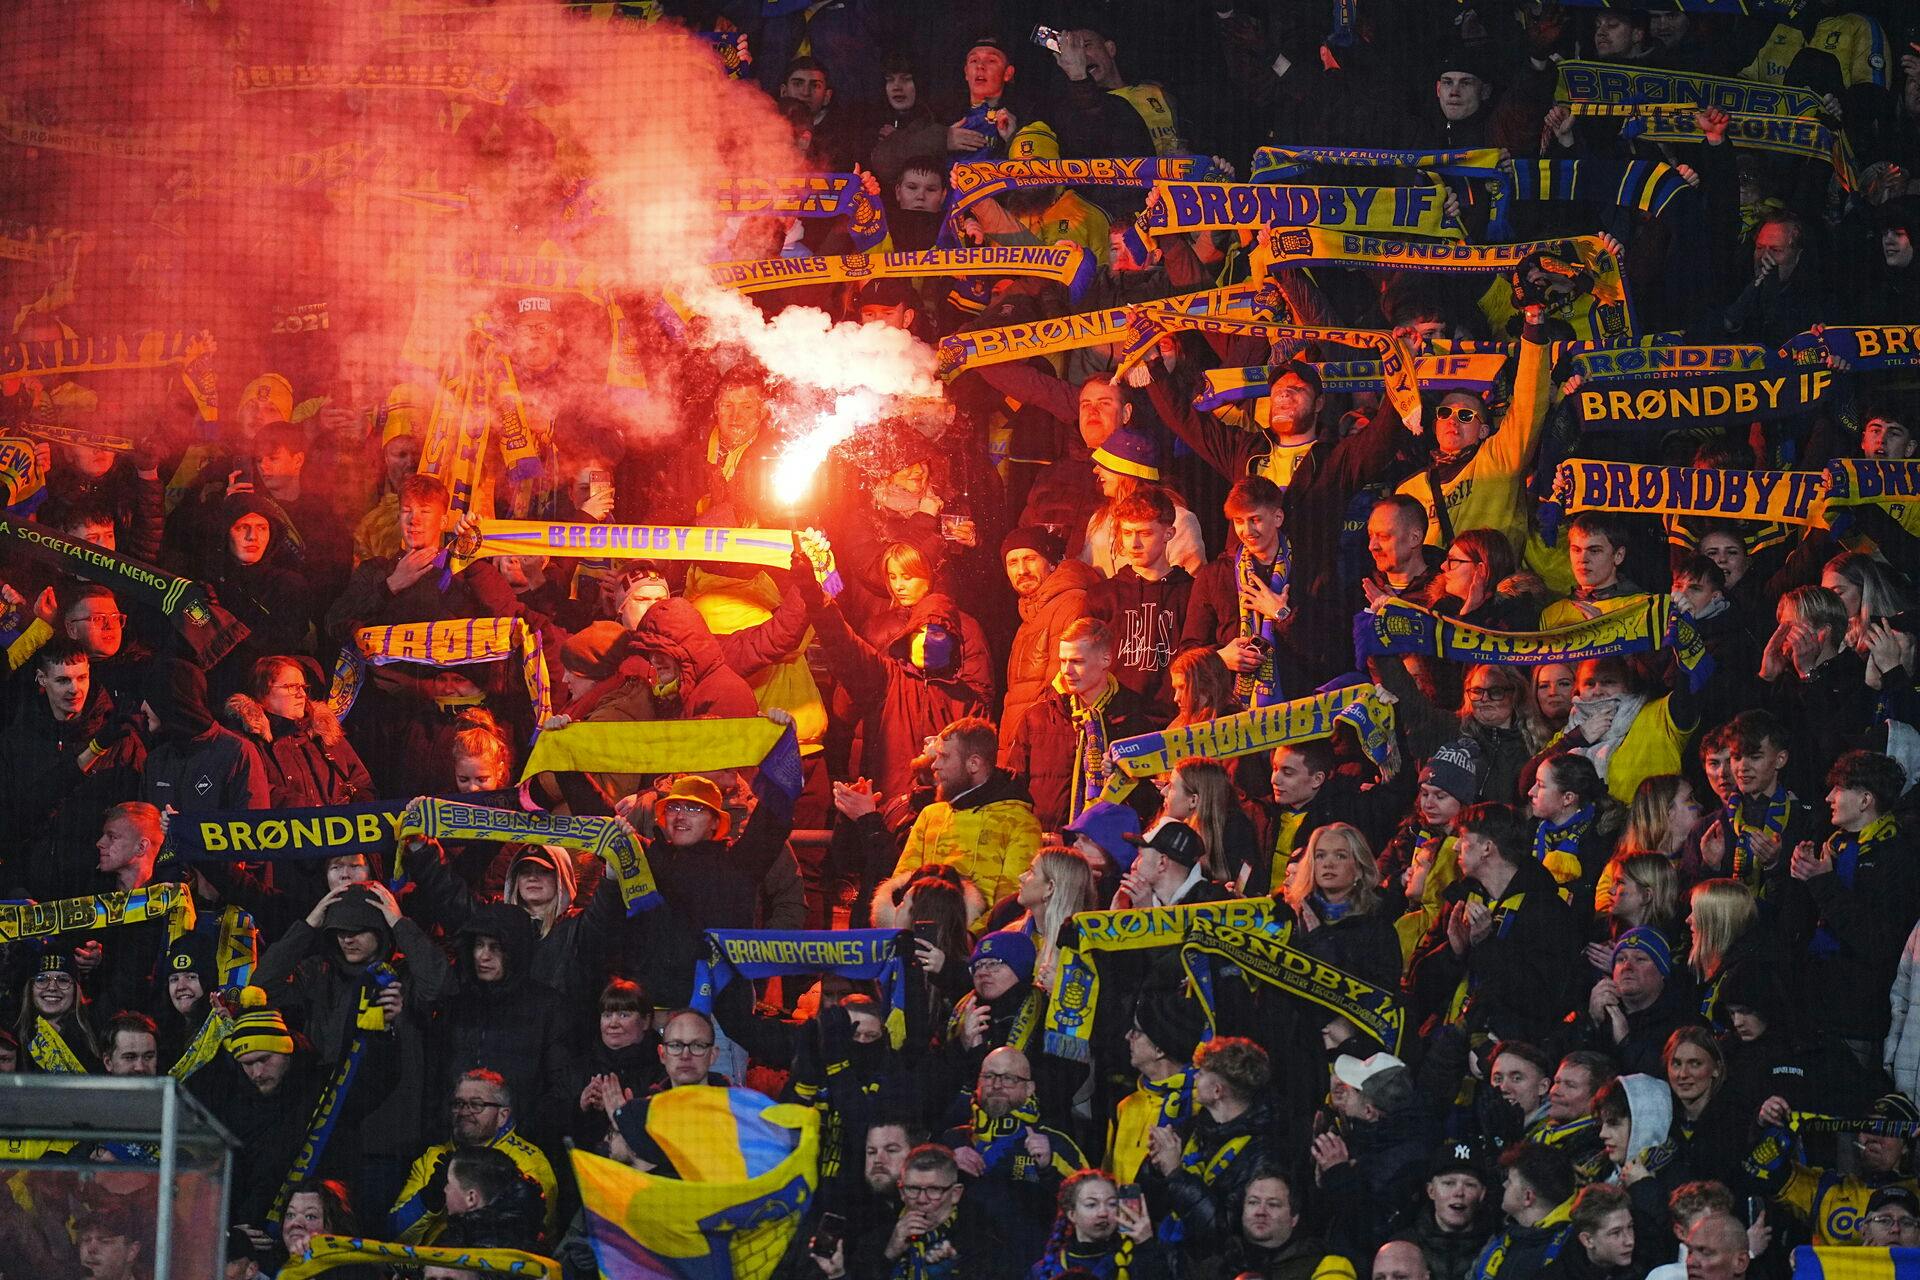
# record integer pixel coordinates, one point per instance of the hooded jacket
(309, 761)
(1649, 1120)
(1034, 658)
(707, 685)
(513, 1025)
(988, 833)
(900, 705)
(320, 994)
(567, 958)
(194, 765)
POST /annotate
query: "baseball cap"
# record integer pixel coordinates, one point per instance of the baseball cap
(1176, 840)
(1380, 1076)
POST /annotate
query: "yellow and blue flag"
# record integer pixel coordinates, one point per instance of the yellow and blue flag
(747, 1169)
(1855, 1262)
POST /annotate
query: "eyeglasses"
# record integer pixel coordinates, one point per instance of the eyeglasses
(100, 619)
(292, 686)
(686, 807)
(1458, 562)
(1486, 693)
(1465, 413)
(1000, 1077)
(926, 1193)
(1896, 1220)
(680, 1048)
(52, 979)
(467, 1106)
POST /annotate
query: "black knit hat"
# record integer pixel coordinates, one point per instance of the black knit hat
(1172, 1022)
(1033, 537)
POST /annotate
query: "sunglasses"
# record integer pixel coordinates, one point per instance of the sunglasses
(1465, 413)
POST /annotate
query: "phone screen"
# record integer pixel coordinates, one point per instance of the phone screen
(827, 1238)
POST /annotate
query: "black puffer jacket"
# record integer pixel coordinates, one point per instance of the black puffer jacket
(1208, 1202)
(194, 765)
(708, 686)
(512, 1025)
(53, 808)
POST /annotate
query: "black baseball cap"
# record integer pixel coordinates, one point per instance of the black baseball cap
(1176, 840)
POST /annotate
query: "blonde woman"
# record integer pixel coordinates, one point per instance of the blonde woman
(1663, 814)
(1199, 792)
(1057, 884)
(1726, 938)
(1640, 889)
(1334, 889)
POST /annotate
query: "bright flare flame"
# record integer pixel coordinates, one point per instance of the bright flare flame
(793, 473)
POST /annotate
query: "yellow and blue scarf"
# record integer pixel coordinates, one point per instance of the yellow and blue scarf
(810, 195)
(1076, 977)
(607, 838)
(1257, 730)
(1399, 627)
(862, 955)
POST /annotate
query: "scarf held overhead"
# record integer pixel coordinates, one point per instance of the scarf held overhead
(275, 835)
(810, 195)
(1318, 247)
(1396, 626)
(1583, 81)
(1151, 323)
(1222, 387)
(1703, 399)
(167, 900)
(453, 642)
(1244, 733)
(1276, 164)
(1066, 264)
(1056, 334)
(584, 540)
(862, 955)
(1270, 960)
(1244, 206)
(1076, 979)
(1893, 485)
(1788, 497)
(970, 183)
(610, 839)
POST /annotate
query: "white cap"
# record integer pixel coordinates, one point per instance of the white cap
(1356, 1072)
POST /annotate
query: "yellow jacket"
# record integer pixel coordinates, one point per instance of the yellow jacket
(1488, 492)
(413, 1223)
(989, 836)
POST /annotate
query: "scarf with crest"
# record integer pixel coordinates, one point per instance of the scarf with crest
(1091, 764)
(1747, 817)
(1261, 686)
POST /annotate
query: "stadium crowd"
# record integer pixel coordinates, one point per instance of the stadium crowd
(1628, 935)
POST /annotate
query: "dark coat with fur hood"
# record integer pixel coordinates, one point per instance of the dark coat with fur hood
(309, 761)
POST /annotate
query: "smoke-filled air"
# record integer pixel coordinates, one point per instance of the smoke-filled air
(359, 196)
